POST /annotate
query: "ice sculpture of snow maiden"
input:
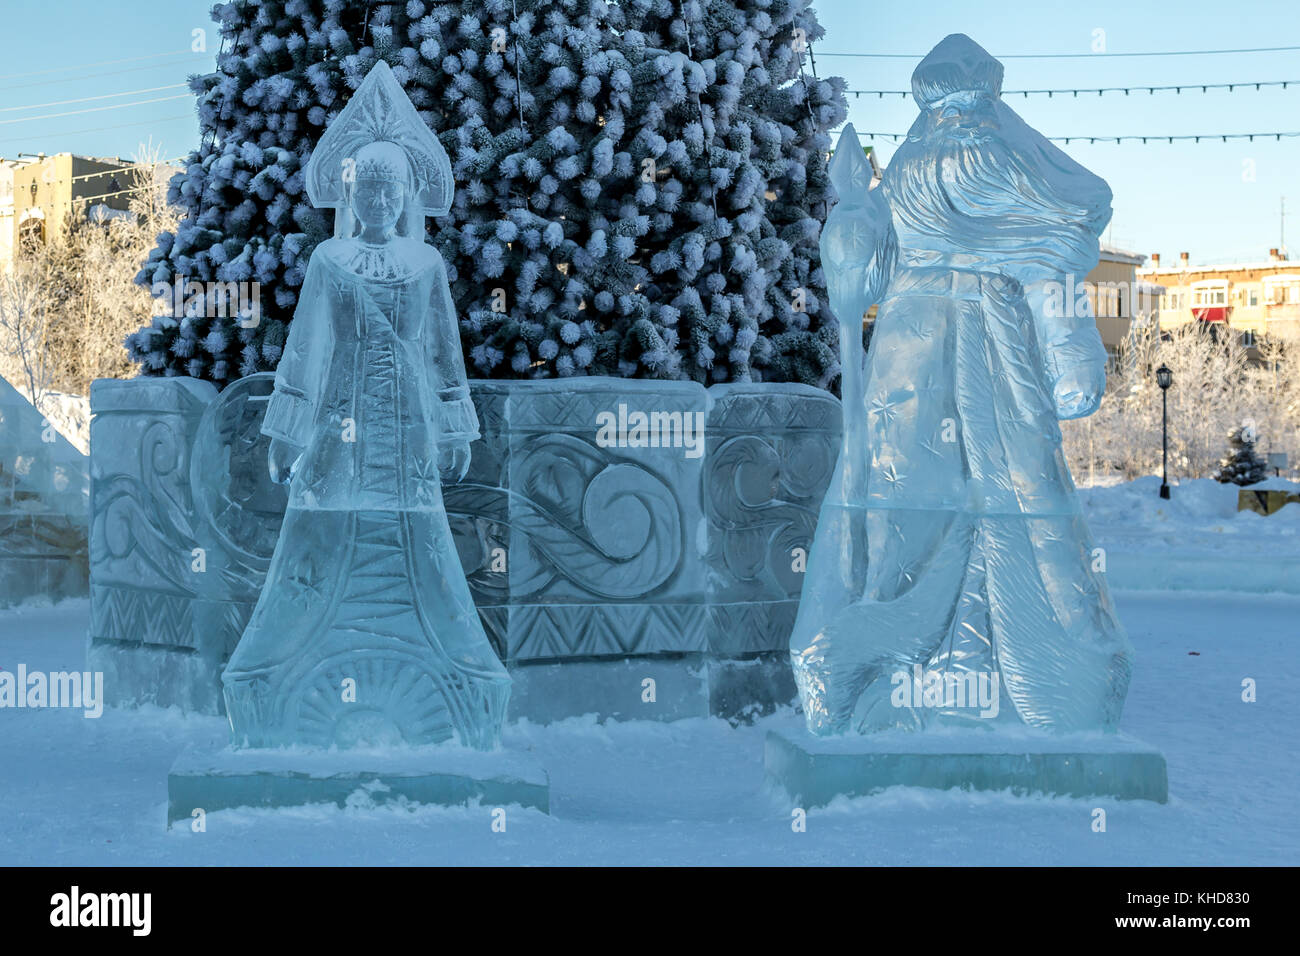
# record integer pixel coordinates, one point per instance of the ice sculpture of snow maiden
(370, 407)
(951, 542)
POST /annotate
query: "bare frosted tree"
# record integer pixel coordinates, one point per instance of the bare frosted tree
(102, 252)
(69, 303)
(24, 324)
(1216, 389)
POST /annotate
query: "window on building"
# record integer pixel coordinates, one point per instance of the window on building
(1252, 297)
(1248, 338)
(1280, 290)
(1106, 303)
(1209, 296)
(31, 233)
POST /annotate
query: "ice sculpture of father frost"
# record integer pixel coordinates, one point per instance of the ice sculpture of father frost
(952, 539)
(370, 408)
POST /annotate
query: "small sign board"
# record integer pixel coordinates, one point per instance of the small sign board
(1264, 502)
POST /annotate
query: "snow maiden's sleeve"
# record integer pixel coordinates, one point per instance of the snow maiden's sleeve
(300, 376)
(458, 420)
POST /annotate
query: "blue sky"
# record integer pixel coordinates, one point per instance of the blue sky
(1169, 199)
(43, 41)
(1198, 198)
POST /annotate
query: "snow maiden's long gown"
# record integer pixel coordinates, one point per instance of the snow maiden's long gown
(365, 633)
(954, 543)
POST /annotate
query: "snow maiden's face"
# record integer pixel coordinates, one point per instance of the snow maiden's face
(378, 194)
(377, 203)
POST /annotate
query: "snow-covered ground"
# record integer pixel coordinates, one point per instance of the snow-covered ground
(1197, 540)
(84, 791)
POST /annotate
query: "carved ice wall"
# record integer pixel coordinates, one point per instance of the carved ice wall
(174, 577)
(771, 454)
(576, 554)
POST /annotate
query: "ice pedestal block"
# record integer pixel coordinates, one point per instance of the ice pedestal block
(224, 779)
(142, 583)
(706, 564)
(606, 521)
(184, 519)
(816, 770)
(770, 458)
(44, 506)
(647, 688)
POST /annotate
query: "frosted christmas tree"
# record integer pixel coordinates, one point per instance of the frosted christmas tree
(1242, 466)
(640, 186)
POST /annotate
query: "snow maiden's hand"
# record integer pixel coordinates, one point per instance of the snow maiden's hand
(453, 461)
(281, 459)
(1078, 391)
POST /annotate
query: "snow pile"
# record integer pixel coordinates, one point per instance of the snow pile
(1196, 540)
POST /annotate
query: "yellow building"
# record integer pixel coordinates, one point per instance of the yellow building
(7, 167)
(1120, 300)
(44, 191)
(1254, 298)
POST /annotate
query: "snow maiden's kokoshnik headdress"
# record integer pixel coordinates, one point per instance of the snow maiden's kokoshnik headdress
(380, 112)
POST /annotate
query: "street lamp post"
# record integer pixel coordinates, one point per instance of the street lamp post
(1164, 378)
